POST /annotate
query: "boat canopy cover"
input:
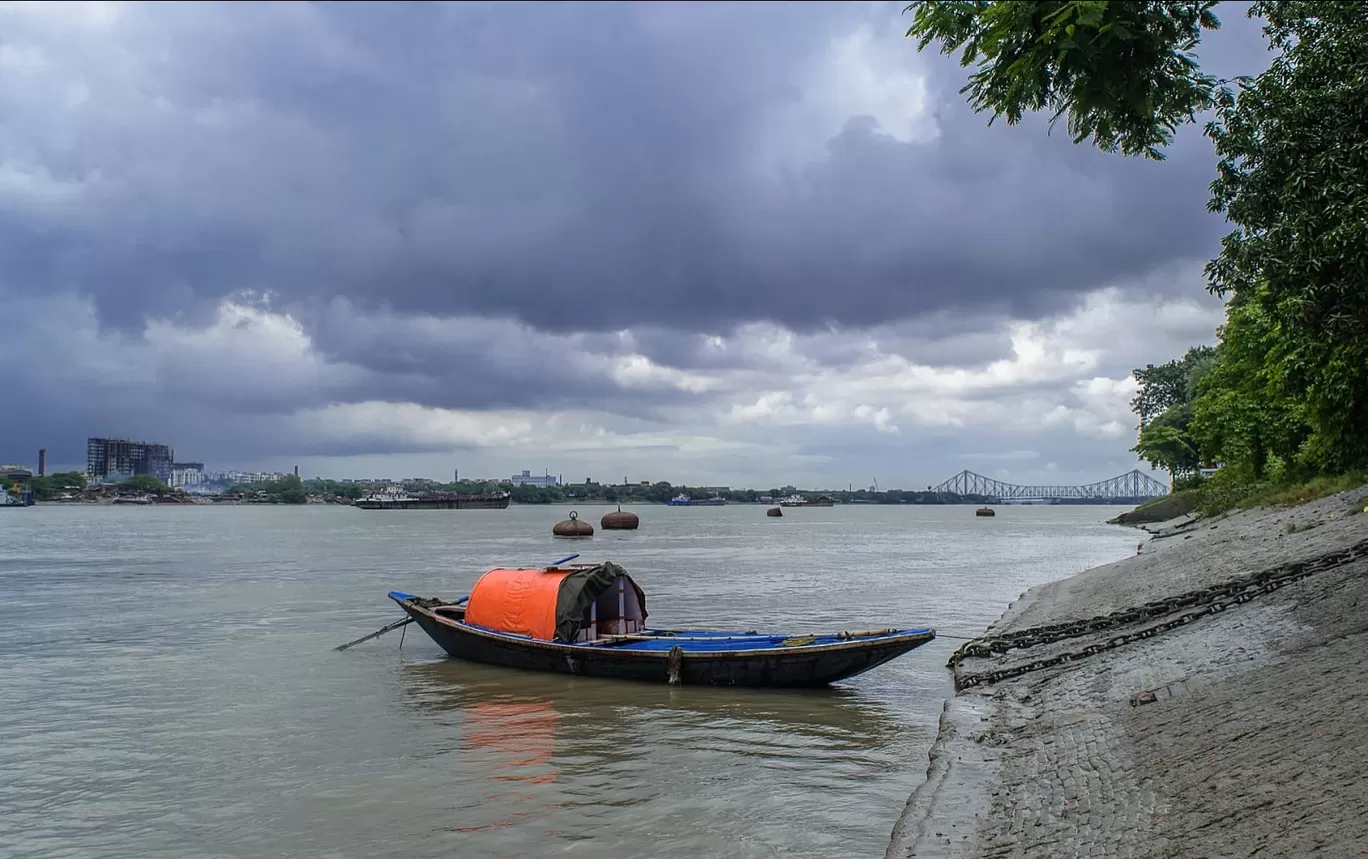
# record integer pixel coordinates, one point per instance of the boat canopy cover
(549, 605)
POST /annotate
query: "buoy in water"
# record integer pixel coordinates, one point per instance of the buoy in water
(573, 527)
(620, 521)
(774, 511)
(985, 511)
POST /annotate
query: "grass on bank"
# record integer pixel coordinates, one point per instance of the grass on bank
(1216, 495)
(1223, 492)
(1160, 509)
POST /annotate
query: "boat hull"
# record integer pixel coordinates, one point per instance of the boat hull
(15, 499)
(698, 662)
(453, 502)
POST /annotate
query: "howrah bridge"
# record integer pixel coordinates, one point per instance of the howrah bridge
(1132, 487)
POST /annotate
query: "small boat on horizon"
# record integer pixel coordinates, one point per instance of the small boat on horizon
(589, 620)
(683, 500)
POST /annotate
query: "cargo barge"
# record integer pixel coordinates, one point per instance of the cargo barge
(15, 489)
(800, 501)
(435, 501)
(15, 497)
(683, 500)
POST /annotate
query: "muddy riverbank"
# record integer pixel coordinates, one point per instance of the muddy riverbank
(1238, 733)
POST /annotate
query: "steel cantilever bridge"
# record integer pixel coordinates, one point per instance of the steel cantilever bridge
(1131, 487)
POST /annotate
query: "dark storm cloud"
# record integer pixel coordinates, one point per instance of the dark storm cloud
(482, 363)
(110, 388)
(576, 166)
(464, 204)
(231, 391)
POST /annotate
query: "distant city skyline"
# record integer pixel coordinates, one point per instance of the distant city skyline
(544, 477)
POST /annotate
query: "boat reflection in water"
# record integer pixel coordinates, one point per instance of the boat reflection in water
(513, 743)
(538, 761)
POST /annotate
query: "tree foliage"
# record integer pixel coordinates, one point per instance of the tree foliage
(287, 489)
(1166, 385)
(53, 486)
(321, 486)
(1164, 404)
(149, 483)
(1168, 446)
(1241, 414)
(1124, 73)
(1292, 178)
(1287, 387)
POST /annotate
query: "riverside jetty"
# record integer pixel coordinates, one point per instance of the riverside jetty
(1240, 732)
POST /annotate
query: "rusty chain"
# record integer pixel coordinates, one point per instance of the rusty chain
(1202, 602)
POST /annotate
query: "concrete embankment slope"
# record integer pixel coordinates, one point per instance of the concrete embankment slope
(1242, 732)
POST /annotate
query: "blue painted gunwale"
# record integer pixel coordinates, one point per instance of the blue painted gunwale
(720, 643)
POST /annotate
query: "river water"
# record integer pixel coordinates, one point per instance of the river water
(168, 686)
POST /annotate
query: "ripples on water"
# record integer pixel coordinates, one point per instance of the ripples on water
(167, 687)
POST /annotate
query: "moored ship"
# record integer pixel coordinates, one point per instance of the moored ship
(683, 500)
(16, 498)
(401, 500)
(800, 501)
(15, 490)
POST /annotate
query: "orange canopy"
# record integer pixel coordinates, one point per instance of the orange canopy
(522, 602)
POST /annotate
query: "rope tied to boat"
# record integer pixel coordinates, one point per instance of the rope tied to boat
(674, 663)
(1193, 605)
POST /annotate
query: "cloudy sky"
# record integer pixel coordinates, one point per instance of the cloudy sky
(752, 244)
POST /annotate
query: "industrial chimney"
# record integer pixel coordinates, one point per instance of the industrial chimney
(296, 471)
(42, 462)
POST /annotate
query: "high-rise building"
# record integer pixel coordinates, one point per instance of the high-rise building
(186, 474)
(527, 478)
(119, 457)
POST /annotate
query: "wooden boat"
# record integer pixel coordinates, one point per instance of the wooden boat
(589, 619)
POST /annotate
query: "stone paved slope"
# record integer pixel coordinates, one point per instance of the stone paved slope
(1252, 741)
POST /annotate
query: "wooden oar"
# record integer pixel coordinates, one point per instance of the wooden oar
(397, 624)
(379, 632)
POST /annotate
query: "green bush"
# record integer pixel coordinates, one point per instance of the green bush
(1226, 491)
